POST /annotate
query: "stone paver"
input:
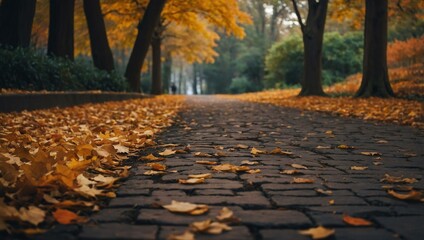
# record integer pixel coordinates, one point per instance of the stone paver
(268, 204)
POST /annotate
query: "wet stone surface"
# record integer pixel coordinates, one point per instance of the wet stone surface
(268, 204)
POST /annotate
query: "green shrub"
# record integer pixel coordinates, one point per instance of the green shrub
(28, 69)
(240, 85)
(342, 56)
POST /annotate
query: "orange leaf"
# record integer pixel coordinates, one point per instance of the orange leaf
(64, 216)
(354, 221)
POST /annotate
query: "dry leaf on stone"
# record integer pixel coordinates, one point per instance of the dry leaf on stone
(323, 147)
(382, 141)
(186, 207)
(152, 157)
(331, 202)
(203, 175)
(220, 154)
(205, 162)
(153, 172)
(255, 151)
(167, 152)
(371, 153)
(202, 154)
(201, 226)
(187, 235)
(281, 152)
(247, 162)
(191, 181)
(157, 166)
(411, 195)
(302, 180)
(318, 232)
(324, 192)
(253, 171)
(298, 166)
(226, 167)
(218, 147)
(241, 146)
(121, 149)
(392, 179)
(64, 216)
(32, 214)
(343, 146)
(291, 172)
(209, 227)
(225, 214)
(354, 221)
(88, 191)
(358, 168)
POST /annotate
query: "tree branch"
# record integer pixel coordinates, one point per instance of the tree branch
(299, 18)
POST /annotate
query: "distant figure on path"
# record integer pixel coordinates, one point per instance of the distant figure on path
(173, 88)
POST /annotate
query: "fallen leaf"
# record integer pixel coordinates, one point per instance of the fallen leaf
(371, 153)
(302, 180)
(88, 191)
(201, 226)
(241, 146)
(207, 226)
(291, 172)
(318, 232)
(202, 154)
(358, 168)
(281, 152)
(226, 167)
(298, 166)
(253, 171)
(187, 235)
(325, 192)
(382, 141)
(255, 151)
(206, 162)
(191, 181)
(225, 214)
(220, 154)
(156, 166)
(152, 157)
(377, 163)
(392, 179)
(121, 149)
(343, 146)
(203, 175)
(247, 162)
(331, 202)
(167, 152)
(411, 195)
(153, 172)
(323, 147)
(354, 221)
(32, 214)
(219, 147)
(186, 207)
(64, 216)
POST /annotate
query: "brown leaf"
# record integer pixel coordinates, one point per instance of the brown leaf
(298, 166)
(343, 146)
(392, 179)
(191, 181)
(187, 235)
(291, 172)
(167, 152)
(64, 216)
(255, 151)
(186, 207)
(411, 195)
(354, 221)
(225, 214)
(121, 149)
(241, 146)
(156, 166)
(247, 162)
(358, 168)
(201, 154)
(206, 162)
(152, 157)
(253, 171)
(324, 192)
(371, 153)
(203, 175)
(318, 232)
(32, 214)
(153, 172)
(302, 180)
(281, 152)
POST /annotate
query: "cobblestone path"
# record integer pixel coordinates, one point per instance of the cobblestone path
(268, 204)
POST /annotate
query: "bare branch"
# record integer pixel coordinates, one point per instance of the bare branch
(299, 17)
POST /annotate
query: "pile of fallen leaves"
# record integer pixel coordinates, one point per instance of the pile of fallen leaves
(400, 111)
(58, 163)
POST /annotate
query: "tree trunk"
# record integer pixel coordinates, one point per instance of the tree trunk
(16, 17)
(61, 29)
(195, 75)
(167, 71)
(156, 66)
(146, 29)
(100, 50)
(313, 35)
(375, 77)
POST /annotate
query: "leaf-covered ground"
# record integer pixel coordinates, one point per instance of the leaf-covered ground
(57, 164)
(407, 110)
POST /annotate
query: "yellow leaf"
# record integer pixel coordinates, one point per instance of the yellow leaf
(358, 168)
(343, 146)
(191, 181)
(291, 172)
(255, 151)
(204, 175)
(32, 214)
(253, 171)
(156, 166)
(225, 214)
(187, 235)
(242, 146)
(281, 152)
(302, 180)
(153, 172)
(206, 162)
(186, 207)
(356, 221)
(322, 191)
(298, 166)
(318, 232)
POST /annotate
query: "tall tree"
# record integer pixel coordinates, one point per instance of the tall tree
(375, 77)
(157, 61)
(100, 50)
(61, 28)
(16, 17)
(146, 29)
(313, 35)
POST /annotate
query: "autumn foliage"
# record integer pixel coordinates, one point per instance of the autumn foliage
(406, 53)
